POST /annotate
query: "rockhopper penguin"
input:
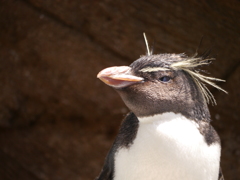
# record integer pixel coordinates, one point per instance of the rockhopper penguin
(167, 135)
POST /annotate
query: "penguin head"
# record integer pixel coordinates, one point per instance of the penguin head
(156, 84)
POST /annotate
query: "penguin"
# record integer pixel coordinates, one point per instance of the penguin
(167, 134)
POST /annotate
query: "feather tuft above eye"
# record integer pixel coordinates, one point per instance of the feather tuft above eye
(189, 65)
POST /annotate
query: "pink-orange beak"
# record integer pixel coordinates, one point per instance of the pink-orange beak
(118, 76)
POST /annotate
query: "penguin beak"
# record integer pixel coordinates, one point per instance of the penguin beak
(118, 77)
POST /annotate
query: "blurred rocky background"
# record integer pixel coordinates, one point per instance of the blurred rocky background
(57, 120)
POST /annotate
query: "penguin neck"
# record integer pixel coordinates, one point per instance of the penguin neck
(171, 125)
(195, 108)
(158, 118)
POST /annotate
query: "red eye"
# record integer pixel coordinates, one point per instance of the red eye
(165, 79)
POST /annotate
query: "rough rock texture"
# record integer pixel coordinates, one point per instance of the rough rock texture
(57, 121)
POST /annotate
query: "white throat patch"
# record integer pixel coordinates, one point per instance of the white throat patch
(168, 147)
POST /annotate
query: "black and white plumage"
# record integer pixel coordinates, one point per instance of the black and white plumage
(167, 135)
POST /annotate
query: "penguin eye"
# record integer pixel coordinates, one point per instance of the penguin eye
(165, 79)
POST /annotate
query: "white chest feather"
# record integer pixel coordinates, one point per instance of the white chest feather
(168, 147)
